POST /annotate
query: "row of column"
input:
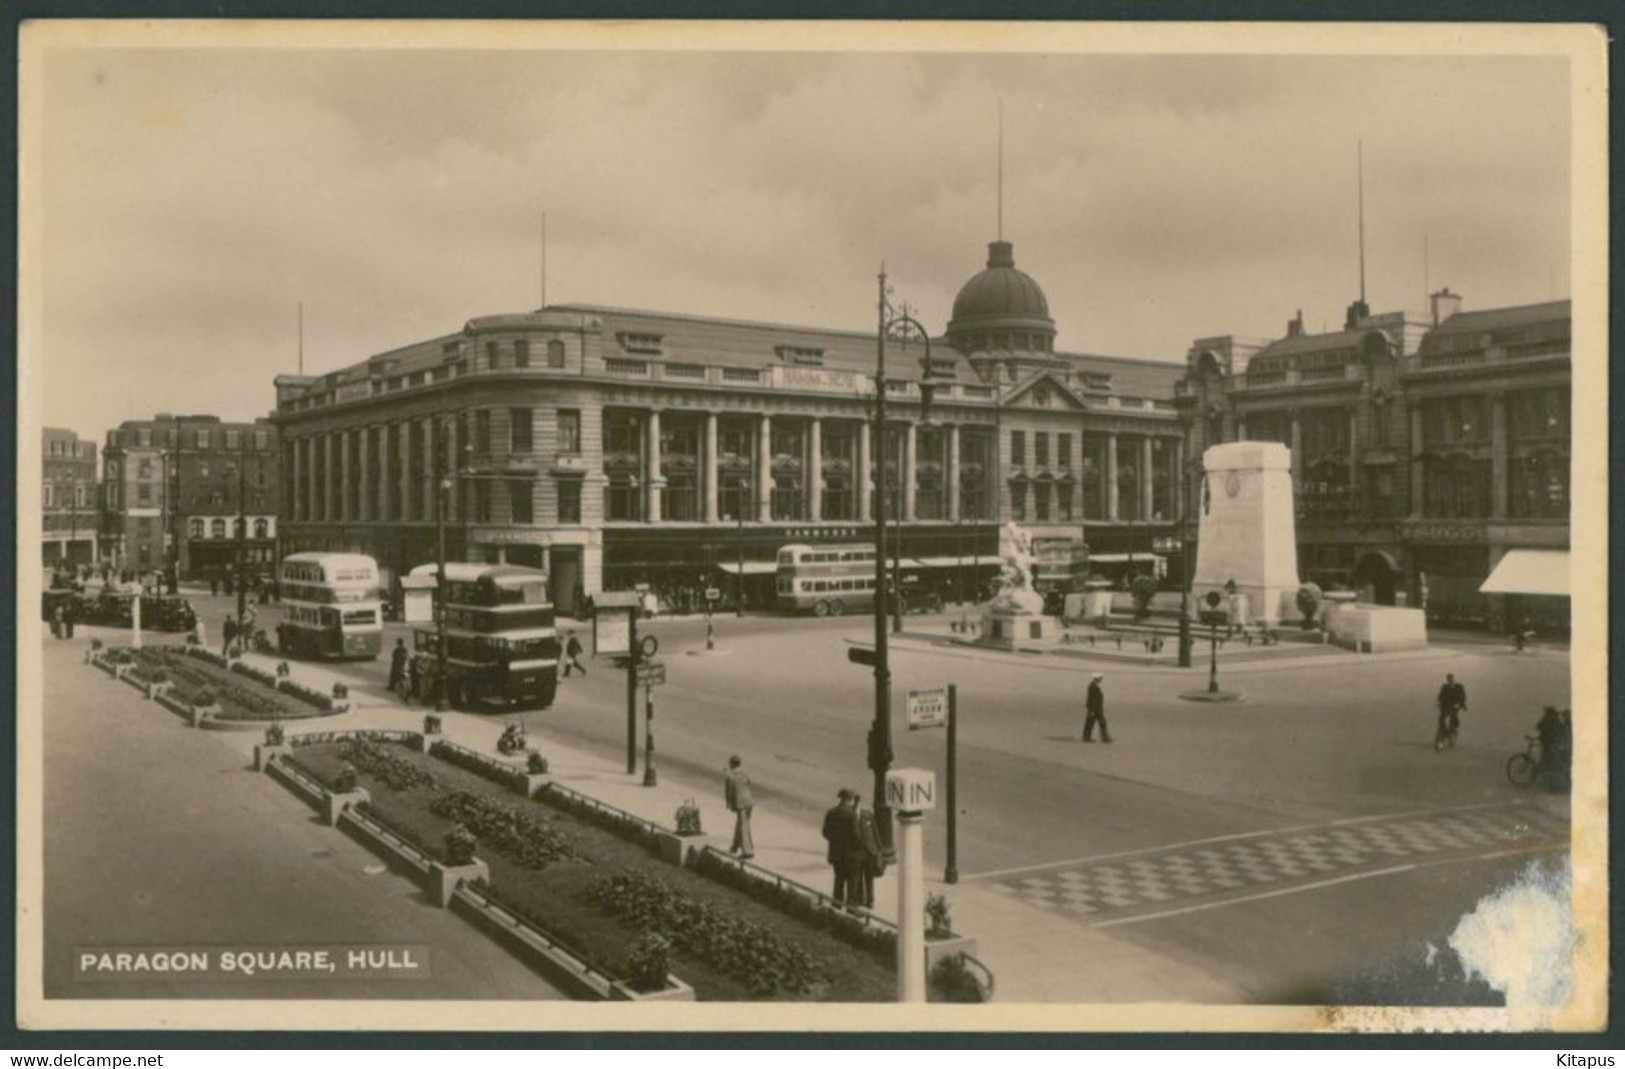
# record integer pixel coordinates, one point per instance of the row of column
(656, 483)
(1147, 478)
(1498, 458)
(346, 477)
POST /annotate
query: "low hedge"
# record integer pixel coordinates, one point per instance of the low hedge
(308, 695)
(800, 902)
(519, 836)
(486, 767)
(256, 674)
(618, 822)
(398, 773)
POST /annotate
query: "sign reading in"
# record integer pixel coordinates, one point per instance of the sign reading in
(927, 707)
(651, 675)
(911, 790)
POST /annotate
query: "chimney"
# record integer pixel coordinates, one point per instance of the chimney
(1445, 305)
(1294, 326)
(1358, 312)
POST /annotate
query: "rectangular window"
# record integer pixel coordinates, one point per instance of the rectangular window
(684, 371)
(1018, 501)
(144, 468)
(1063, 450)
(1041, 449)
(1041, 502)
(491, 354)
(521, 353)
(143, 493)
(200, 439)
(520, 505)
(262, 440)
(520, 436)
(48, 495)
(234, 440)
(482, 432)
(569, 431)
(482, 501)
(555, 353)
(1063, 501)
(1018, 448)
(616, 366)
(741, 374)
(569, 500)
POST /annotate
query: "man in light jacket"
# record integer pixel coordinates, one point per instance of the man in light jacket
(736, 792)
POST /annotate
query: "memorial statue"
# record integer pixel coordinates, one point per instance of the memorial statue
(1017, 595)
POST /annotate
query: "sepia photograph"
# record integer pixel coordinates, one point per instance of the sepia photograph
(556, 526)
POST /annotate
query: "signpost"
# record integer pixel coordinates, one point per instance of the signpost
(651, 674)
(935, 707)
(927, 707)
(909, 792)
(711, 596)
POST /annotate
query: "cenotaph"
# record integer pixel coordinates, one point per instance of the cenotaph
(1246, 541)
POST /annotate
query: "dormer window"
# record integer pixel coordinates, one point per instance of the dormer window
(450, 351)
(647, 344)
(805, 356)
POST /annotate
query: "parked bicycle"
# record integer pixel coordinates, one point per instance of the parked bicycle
(1524, 768)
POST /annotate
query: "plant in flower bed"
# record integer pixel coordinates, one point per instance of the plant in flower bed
(479, 764)
(765, 960)
(259, 675)
(460, 846)
(387, 764)
(530, 841)
(536, 764)
(649, 962)
(308, 695)
(878, 939)
(191, 674)
(557, 901)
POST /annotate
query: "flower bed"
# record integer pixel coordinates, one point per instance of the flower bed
(560, 901)
(618, 822)
(191, 671)
(488, 767)
(311, 696)
(503, 826)
(243, 668)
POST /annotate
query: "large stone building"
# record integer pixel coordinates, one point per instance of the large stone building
(175, 487)
(614, 447)
(1424, 447)
(71, 507)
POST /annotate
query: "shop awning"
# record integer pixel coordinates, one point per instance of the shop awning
(752, 567)
(1530, 571)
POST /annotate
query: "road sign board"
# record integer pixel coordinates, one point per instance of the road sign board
(712, 593)
(651, 675)
(911, 790)
(861, 655)
(648, 646)
(927, 707)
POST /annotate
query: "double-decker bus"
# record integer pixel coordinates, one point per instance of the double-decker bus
(331, 606)
(828, 580)
(502, 649)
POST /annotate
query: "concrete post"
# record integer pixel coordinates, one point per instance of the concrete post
(910, 462)
(910, 907)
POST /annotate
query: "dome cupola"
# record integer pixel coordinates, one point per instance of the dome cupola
(1001, 308)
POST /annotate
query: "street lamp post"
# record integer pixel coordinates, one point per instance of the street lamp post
(1214, 615)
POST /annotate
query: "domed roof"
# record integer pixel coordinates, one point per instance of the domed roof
(1002, 296)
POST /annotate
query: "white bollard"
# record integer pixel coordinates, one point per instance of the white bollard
(910, 908)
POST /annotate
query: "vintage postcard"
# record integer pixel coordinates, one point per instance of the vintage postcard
(936, 526)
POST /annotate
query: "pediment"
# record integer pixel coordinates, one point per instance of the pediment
(1044, 390)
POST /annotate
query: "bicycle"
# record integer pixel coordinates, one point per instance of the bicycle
(1524, 768)
(1449, 727)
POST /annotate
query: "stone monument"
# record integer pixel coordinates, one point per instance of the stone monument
(1247, 545)
(1015, 617)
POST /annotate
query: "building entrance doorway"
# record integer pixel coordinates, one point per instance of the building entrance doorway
(564, 576)
(1379, 573)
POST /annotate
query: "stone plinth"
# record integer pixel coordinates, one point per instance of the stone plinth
(1378, 628)
(1019, 631)
(1247, 535)
(445, 879)
(337, 802)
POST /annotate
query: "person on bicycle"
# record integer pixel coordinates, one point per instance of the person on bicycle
(1452, 701)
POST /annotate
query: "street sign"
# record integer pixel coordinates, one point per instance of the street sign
(712, 593)
(911, 790)
(651, 675)
(861, 655)
(648, 646)
(927, 707)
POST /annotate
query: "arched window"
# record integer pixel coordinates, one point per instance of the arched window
(217, 528)
(195, 527)
(555, 353)
(262, 528)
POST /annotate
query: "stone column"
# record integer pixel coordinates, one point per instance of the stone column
(1182, 482)
(866, 481)
(385, 468)
(334, 478)
(315, 457)
(910, 463)
(1297, 449)
(1111, 476)
(764, 470)
(654, 479)
(296, 503)
(1498, 455)
(346, 491)
(1146, 488)
(1354, 449)
(1418, 469)
(431, 473)
(815, 470)
(952, 474)
(708, 476)
(403, 454)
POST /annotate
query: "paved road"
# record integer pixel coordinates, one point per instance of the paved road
(156, 836)
(1262, 834)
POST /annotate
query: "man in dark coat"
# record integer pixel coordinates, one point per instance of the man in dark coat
(736, 793)
(872, 859)
(1095, 709)
(572, 655)
(230, 631)
(397, 665)
(414, 676)
(841, 833)
(1452, 701)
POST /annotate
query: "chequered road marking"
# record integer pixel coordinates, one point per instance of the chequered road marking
(1090, 889)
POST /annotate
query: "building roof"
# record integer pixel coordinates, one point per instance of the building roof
(999, 293)
(1314, 343)
(1493, 319)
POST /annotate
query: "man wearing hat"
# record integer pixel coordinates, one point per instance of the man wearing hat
(1095, 705)
(845, 850)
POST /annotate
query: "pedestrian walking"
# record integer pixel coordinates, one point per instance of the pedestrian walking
(1094, 704)
(68, 615)
(414, 677)
(736, 793)
(841, 833)
(214, 584)
(1452, 703)
(230, 631)
(872, 862)
(572, 654)
(397, 665)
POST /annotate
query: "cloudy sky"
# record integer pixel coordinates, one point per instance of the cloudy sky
(192, 198)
